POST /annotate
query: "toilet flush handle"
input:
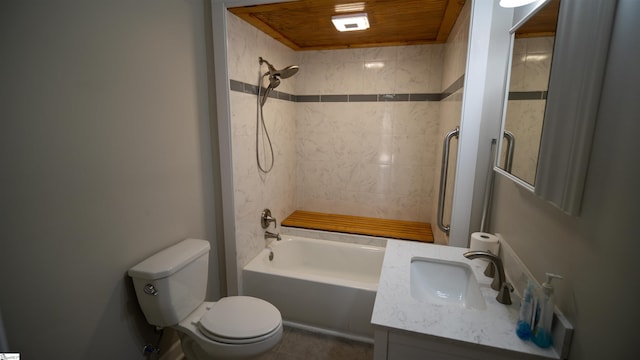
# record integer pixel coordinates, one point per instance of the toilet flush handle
(149, 289)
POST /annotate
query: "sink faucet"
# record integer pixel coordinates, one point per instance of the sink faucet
(269, 235)
(499, 282)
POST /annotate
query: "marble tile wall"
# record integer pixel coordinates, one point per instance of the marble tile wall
(531, 64)
(455, 49)
(368, 158)
(395, 69)
(254, 191)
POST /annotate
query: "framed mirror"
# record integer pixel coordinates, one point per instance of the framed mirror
(558, 54)
(531, 54)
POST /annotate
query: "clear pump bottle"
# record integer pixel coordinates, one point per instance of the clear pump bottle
(542, 330)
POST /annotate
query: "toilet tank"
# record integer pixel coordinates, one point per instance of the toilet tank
(172, 283)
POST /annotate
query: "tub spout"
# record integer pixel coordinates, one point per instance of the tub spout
(269, 235)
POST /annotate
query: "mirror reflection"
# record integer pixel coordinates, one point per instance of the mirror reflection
(531, 57)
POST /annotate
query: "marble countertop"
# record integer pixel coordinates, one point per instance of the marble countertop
(395, 308)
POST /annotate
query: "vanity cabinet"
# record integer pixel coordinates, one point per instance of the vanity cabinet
(392, 344)
(408, 326)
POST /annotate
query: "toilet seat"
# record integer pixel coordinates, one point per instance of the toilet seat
(240, 320)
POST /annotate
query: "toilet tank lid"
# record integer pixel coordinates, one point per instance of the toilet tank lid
(169, 260)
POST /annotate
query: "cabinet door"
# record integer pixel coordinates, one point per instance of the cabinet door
(406, 346)
(403, 347)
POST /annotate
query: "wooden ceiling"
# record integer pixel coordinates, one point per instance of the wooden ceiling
(543, 23)
(306, 24)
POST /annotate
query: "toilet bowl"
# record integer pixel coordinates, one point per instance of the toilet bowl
(170, 287)
(236, 327)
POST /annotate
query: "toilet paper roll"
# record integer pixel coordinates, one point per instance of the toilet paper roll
(482, 241)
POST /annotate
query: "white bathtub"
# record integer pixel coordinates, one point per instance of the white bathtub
(320, 285)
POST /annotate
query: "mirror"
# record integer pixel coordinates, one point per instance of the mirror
(557, 146)
(531, 53)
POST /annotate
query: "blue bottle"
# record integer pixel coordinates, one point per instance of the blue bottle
(524, 326)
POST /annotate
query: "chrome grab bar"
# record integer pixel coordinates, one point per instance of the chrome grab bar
(443, 178)
(511, 144)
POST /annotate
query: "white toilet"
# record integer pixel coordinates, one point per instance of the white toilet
(171, 286)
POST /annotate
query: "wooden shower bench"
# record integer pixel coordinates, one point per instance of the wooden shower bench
(396, 229)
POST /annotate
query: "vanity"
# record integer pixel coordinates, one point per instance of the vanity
(453, 316)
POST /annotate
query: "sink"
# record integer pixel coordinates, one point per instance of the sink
(445, 282)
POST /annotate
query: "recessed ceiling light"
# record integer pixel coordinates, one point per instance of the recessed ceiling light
(351, 22)
(374, 65)
(515, 3)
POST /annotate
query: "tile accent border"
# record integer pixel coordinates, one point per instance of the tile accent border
(527, 95)
(253, 90)
(451, 90)
(239, 86)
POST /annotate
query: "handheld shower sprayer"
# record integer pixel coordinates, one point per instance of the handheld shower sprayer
(274, 81)
(274, 77)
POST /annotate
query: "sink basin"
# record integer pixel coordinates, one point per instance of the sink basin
(445, 282)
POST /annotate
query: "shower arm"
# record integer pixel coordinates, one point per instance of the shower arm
(272, 69)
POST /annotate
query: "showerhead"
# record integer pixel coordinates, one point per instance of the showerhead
(287, 72)
(275, 76)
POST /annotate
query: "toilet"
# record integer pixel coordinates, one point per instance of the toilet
(170, 287)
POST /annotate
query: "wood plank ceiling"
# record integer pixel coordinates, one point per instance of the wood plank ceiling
(543, 23)
(306, 24)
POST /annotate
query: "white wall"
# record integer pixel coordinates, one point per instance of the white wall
(106, 159)
(596, 252)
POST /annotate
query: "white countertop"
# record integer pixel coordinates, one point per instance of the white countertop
(395, 308)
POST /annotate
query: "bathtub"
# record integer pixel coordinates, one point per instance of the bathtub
(319, 285)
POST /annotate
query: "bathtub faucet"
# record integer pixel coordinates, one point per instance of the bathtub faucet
(266, 219)
(269, 235)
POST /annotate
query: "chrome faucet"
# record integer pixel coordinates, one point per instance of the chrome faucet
(266, 219)
(499, 282)
(269, 235)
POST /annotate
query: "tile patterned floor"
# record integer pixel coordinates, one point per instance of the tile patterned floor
(304, 345)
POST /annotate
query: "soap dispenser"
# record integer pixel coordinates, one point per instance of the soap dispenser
(542, 330)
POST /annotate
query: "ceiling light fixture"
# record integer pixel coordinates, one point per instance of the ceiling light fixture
(351, 22)
(515, 3)
(374, 65)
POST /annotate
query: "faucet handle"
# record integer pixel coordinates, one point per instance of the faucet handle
(266, 219)
(504, 296)
(490, 270)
